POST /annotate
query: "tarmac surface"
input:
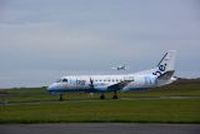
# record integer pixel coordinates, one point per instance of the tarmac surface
(100, 128)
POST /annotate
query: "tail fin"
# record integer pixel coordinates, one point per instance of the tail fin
(166, 65)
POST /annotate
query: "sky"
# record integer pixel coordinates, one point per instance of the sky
(42, 40)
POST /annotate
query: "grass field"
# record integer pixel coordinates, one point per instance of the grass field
(151, 106)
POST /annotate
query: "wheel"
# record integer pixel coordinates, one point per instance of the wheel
(115, 97)
(102, 97)
(61, 97)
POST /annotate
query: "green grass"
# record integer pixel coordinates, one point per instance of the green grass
(171, 111)
(37, 106)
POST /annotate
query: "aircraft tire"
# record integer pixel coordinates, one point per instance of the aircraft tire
(115, 97)
(61, 97)
(102, 97)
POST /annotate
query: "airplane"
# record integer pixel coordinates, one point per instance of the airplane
(162, 74)
(118, 68)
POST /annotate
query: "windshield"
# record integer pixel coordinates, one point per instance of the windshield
(62, 80)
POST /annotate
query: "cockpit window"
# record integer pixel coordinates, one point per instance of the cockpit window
(64, 80)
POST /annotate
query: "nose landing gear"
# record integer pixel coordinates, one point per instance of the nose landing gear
(61, 97)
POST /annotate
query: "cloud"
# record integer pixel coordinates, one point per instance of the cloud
(43, 39)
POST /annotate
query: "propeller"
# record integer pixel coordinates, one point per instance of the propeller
(91, 83)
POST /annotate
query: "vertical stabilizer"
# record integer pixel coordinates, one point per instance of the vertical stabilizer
(166, 64)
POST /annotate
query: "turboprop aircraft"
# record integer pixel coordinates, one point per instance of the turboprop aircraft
(160, 75)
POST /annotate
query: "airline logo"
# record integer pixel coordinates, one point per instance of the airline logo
(161, 70)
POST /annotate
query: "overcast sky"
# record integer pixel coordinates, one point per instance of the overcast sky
(41, 40)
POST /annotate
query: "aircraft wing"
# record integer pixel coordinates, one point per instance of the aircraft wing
(119, 85)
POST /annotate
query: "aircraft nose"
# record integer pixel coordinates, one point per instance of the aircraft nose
(51, 87)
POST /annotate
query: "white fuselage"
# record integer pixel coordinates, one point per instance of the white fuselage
(161, 75)
(100, 83)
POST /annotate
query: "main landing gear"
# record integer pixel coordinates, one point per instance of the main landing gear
(102, 97)
(115, 96)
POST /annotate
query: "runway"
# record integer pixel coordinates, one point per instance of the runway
(100, 128)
